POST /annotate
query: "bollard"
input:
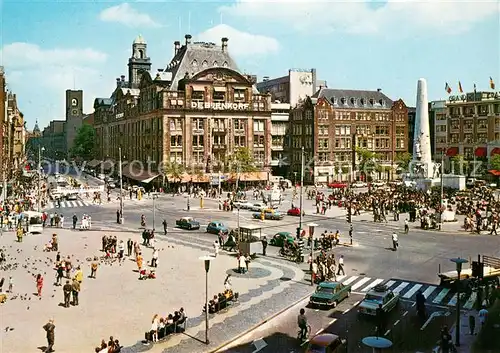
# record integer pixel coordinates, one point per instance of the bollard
(201, 201)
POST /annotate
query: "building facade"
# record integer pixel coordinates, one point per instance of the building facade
(439, 134)
(196, 111)
(332, 123)
(53, 140)
(473, 125)
(280, 140)
(3, 126)
(74, 116)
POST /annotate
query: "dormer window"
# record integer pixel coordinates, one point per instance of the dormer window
(335, 100)
(383, 103)
(215, 64)
(204, 64)
(380, 101)
(372, 101)
(363, 102)
(225, 64)
(343, 100)
(354, 101)
(194, 63)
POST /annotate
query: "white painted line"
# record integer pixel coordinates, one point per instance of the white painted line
(429, 291)
(470, 303)
(373, 284)
(331, 322)
(397, 322)
(441, 295)
(346, 311)
(387, 332)
(360, 283)
(350, 280)
(400, 287)
(340, 278)
(412, 291)
(405, 313)
(317, 333)
(453, 300)
(390, 284)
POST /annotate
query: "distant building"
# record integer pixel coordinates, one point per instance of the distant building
(280, 138)
(412, 113)
(439, 134)
(89, 119)
(333, 121)
(74, 116)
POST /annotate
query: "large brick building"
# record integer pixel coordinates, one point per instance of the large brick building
(327, 123)
(195, 112)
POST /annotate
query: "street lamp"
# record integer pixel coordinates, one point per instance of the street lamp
(121, 183)
(206, 260)
(458, 262)
(301, 197)
(40, 150)
(155, 196)
(311, 235)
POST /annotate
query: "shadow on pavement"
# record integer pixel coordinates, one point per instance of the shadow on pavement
(276, 343)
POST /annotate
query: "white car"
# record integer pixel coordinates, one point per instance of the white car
(101, 176)
(359, 184)
(258, 207)
(244, 205)
(72, 197)
(378, 183)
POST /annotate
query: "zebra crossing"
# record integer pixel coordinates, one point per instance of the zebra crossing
(407, 290)
(69, 204)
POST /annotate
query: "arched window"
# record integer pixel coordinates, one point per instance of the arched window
(215, 64)
(195, 63)
(204, 64)
(141, 54)
(224, 64)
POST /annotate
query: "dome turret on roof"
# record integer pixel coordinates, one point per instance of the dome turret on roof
(36, 128)
(140, 40)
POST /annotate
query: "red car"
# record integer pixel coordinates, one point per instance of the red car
(337, 185)
(294, 212)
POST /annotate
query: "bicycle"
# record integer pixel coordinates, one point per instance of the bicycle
(304, 337)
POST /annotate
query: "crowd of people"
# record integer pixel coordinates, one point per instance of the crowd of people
(113, 346)
(161, 327)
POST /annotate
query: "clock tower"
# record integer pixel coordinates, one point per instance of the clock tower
(74, 116)
(138, 62)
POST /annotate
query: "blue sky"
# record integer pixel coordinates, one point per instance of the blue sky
(48, 47)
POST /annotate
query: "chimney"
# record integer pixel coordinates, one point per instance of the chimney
(177, 46)
(161, 70)
(379, 89)
(118, 82)
(265, 78)
(224, 43)
(188, 38)
(123, 78)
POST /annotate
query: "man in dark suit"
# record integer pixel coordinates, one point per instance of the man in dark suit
(49, 328)
(67, 290)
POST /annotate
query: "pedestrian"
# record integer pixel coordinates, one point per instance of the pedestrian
(154, 259)
(78, 274)
(139, 259)
(60, 274)
(67, 289)
(118, 216)
(75, 219)
(49, 328)
(264, 246)
(39, 284)
(341, 266)
(483, 316)
(380, 321)
(407, 227)
(130, 244)
(11, 284)
(75, 289)
(247, 261)
(241, 263)
(165, 226)
(121, 250)
(216, 247)
(93, 267)
(61, 221)
(395, 243)
(472, 325)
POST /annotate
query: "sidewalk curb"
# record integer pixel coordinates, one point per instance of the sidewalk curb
(247, 331)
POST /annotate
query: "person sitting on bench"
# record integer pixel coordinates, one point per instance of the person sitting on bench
(181, 321)
(222, 301)
(169, 325)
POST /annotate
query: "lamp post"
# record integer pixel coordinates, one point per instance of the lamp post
(458, 262)
(442, 191)
(40, 150)
(155, 196)
(311, 235)
(121, 183)
(302, 162)
(206, 260)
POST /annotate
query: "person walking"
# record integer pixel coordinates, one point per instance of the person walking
(472, 325)
(165, 226)
(154, 259)
(118, 216)
(395, 242)
(130, 245)
(67, 289)
(75, 219)
(121, 250)
(340, 266)
(11, 284)
(93, 267)
(49, 328)
(216, 247)
(264, 246)
(39, 285)
(483, 316)
(407, 227)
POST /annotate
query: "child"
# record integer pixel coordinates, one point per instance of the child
(11, 284)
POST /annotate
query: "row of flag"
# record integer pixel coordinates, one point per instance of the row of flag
(461, 90)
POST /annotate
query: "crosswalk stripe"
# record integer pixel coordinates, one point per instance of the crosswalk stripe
(470, 303)
(441, 295)
(360, 283)
(453, 300)
(412, 291)
(350, 280)
(390, 283)
(340, 278)
(401, 287)
(429, 291)
(373, 284)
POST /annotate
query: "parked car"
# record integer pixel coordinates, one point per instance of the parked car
(329, 294)
(187, 223)
(378, 183)
(326, 343)
(280, 238)
(295, 211)
(216, 227)
(274, 215)
(257, 207)
(379, 295)
(243, 204)
(359, 184)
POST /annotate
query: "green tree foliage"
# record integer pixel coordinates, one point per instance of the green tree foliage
(241, 161)
(495, 162)
(368, 160)
(459, 165)
(83, 145)
(174, 170)
(403, 160)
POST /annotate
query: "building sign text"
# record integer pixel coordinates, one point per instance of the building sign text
(119, 115)
(474, 97)
(219, 106)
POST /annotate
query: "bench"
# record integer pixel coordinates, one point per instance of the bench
(167, 331)
(224, 304)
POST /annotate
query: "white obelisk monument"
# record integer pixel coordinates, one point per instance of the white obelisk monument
(423, 166)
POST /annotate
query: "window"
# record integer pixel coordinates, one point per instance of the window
(219, 96)
(258, 126)
(219, 124)
(198, 95)
(204, 64)
(239, 141)
(482, 124)
(198, 157)
(483, 110)
(198, 141)
(323, 144)
(239, 124)
(441, 128)
(468, 138)
(259, 156)
(176, 157)
(175, 124)
(258, 141)
(469, 111)
(215, 64)
(224, 64)
(323, 156)
(176, 141)
(454, 138)
(219, 140)
(400, 143)
(468, 124)
(239, 95)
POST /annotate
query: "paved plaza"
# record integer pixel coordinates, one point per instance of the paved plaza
(117, 303)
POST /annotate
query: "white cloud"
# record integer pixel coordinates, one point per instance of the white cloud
(240, 43)
(128, 16)
(395, 17)
(41, 76)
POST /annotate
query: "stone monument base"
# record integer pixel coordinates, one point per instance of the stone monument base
(427, 183)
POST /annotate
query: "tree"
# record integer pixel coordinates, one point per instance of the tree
(174, 170)
(83, 145)
(403, 160)
(459, 165)
(495, 162)
(241, 161)
(368, 160)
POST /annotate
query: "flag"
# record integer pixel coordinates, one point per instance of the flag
(474, 88)
(492, 83)
(447, 88)
(460, 89)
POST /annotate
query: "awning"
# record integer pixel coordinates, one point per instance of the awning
(198, 88)
(452, 151)
(93, 163)
(220, 89)
(138, 174)
(254, 176)
(494, 172)
(494, 151)
(481, 152)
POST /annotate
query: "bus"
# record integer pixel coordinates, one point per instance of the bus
(32, 222)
